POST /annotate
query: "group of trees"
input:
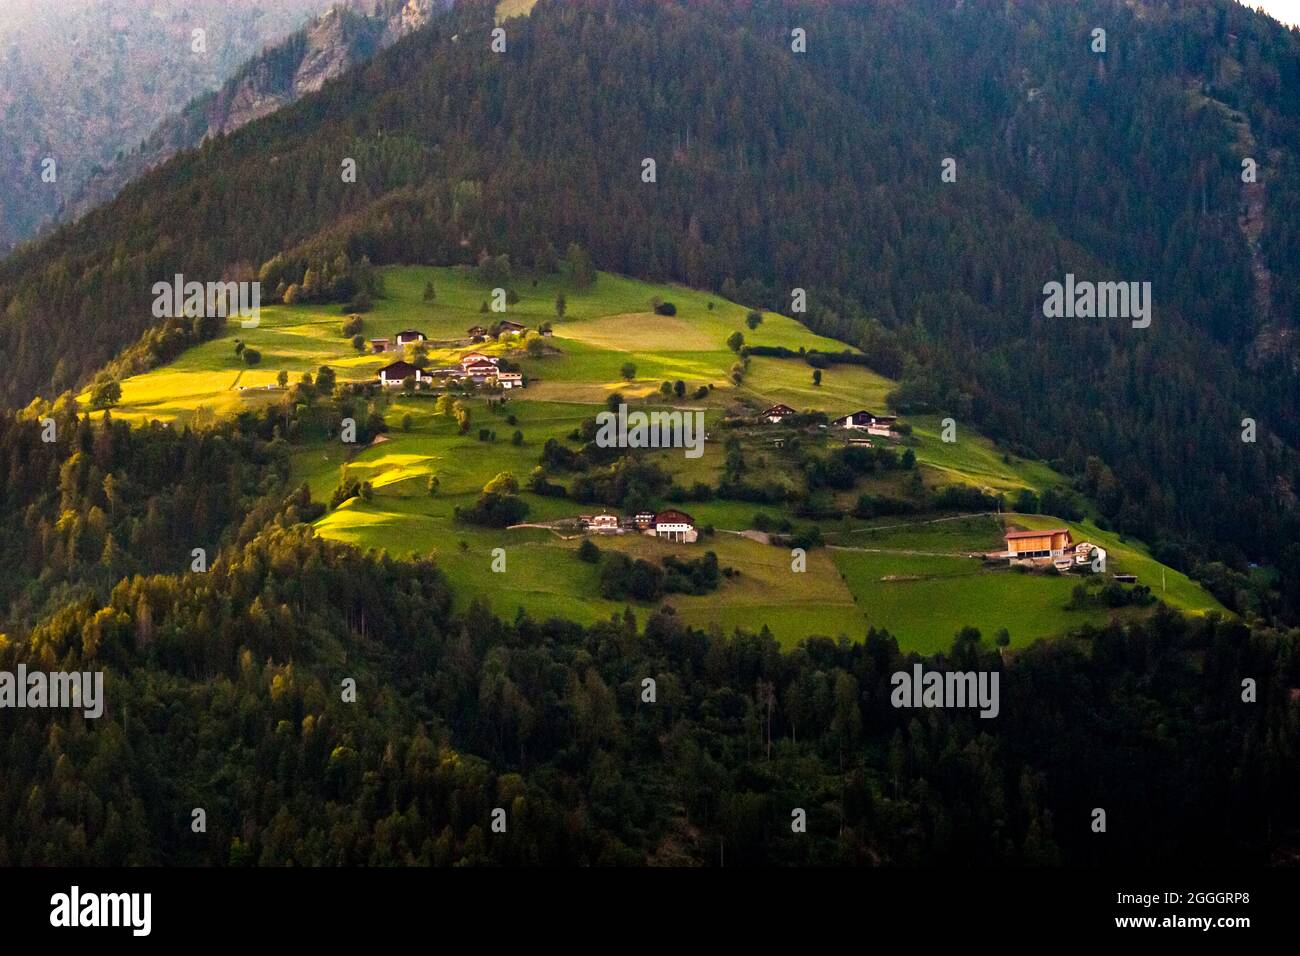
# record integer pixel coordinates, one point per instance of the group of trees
(103, 501)
(636, 579)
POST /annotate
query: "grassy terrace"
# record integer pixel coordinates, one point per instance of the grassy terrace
(913, 578)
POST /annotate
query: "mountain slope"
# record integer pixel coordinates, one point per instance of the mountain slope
(821, 171)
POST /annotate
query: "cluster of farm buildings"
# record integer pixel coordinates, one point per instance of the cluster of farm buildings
(672, 525)
(476, 368)
(1054, 547)
(862, 421)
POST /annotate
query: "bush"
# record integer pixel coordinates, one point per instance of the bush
(494, 511)
(587, 551)
(352, 325)
(622, 578)
(665, 308)
(361, 303)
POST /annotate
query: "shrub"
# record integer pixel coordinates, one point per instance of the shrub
(494, 511)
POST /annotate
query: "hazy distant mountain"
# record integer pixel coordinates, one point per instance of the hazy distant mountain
(327, 46)
(82, 80)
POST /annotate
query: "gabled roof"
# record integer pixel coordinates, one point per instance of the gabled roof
(1016, 535)
(408, 333)
(398, 370)
(779, 409)
(673, 516)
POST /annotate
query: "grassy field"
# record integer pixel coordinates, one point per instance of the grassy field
(514, 8)
(909, 577)
(974, 460)
(924, 600)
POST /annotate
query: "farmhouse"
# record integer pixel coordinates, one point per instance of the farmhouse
(1025, 545)
(398, 372)
(409, 337)
(379, 346)
(476, 332)
(778, 413)
(511, 328)
(601, 523)
(675, 526)
(480, 372)
(861, 419)
(510, 379)
(477, 358)
(882, 426)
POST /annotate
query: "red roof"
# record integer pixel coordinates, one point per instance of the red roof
(1013, 535)
(673, 516)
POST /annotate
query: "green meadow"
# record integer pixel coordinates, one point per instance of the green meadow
(913, 578)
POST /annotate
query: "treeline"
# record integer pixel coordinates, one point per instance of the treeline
(229, 691)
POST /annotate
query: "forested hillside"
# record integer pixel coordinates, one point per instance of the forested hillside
(817, 170)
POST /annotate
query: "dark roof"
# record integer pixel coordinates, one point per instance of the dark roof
(399, 370)
(855, 417)
(780, 410)
(402, 335)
